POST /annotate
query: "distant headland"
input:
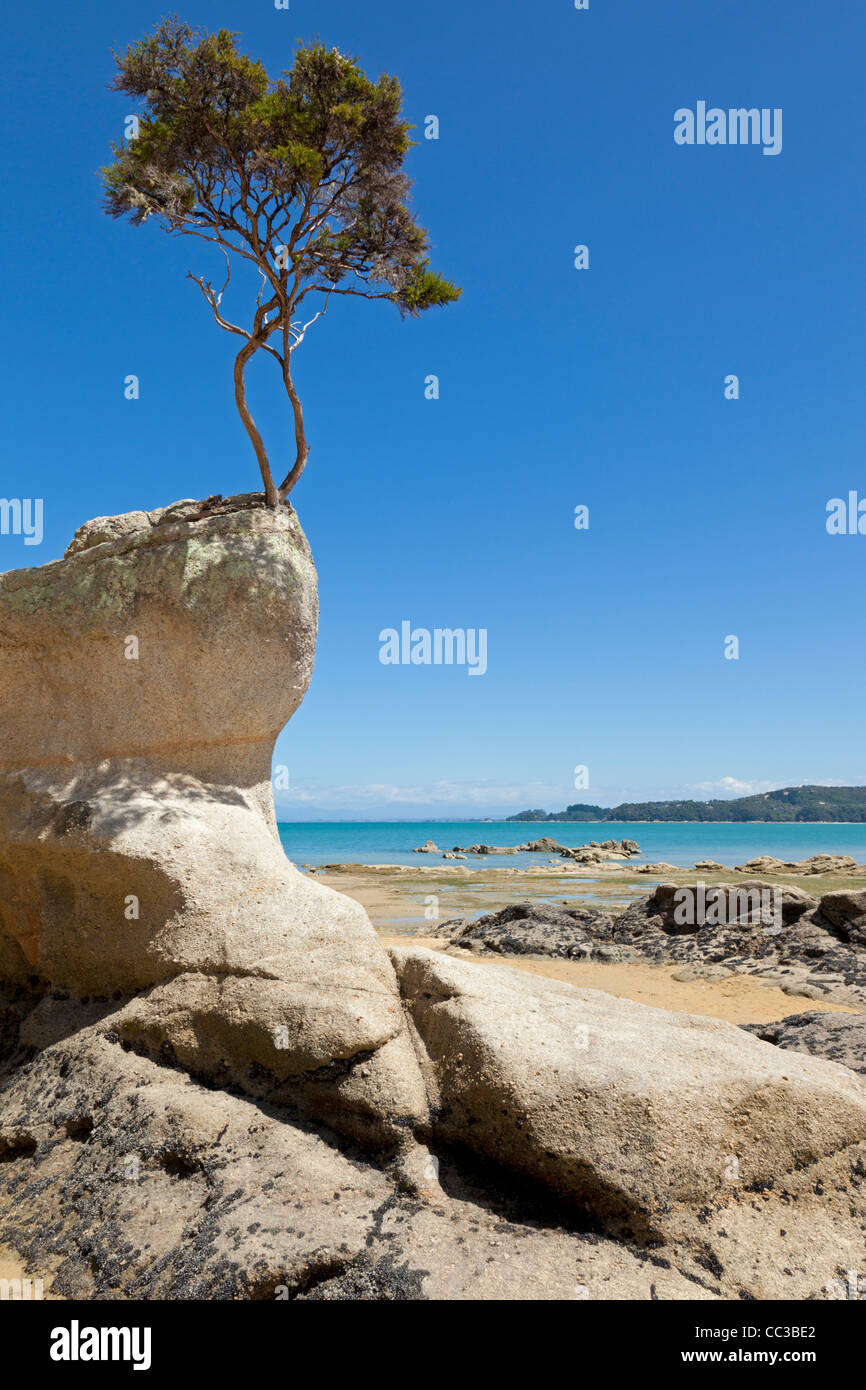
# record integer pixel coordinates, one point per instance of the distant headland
(829, 804)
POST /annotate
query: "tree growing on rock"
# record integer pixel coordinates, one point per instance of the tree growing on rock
(302, 177)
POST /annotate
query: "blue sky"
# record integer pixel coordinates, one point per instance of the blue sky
(558, 387)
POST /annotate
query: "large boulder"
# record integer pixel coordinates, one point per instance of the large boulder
(144, 679)
(125, 1179)
(629, 1111)
(536, 929)
(845, 912)
(723, 923)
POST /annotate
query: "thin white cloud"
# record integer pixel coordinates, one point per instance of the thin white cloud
(734, 786)
(490, 795)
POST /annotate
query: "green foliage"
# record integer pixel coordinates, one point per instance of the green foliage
(312, 160)
(301, 176)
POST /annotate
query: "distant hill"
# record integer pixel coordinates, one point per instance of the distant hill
(789, 804)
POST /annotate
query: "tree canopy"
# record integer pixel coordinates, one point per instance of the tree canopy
(301, 176)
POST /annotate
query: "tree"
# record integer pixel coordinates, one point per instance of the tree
(301, 176)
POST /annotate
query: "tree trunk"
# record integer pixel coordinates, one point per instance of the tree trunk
(301, 447)
(271, 495)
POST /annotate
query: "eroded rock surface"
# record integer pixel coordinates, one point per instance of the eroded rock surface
(810, 946)
(631, 1112)
(144, 679)
(125, 1178)
(575, 933)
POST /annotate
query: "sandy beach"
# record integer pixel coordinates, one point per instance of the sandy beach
(739, 999)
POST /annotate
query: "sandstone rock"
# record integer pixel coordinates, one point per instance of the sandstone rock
(134, 1182)
(701, 972)
(138, 844)
(630, 1112)
(815, 864)
(586, 857)
(428, 847)
(828, 864)
(159, 1188)
(137, 1183)
(767, 864)
(804, 991)
(107, 528)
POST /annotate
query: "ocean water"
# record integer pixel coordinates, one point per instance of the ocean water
(392, 842)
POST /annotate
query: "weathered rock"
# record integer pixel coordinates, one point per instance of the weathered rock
(629, 1111)
(534, 929)
(485, 849)
(701, 972)
(846, 914)
(815, 864)
(812, 953)
(131, 1181)
(138, 844)
(837, 1037)
(146, 1185)
(751, 902)
(767, 864)
(128, 1180)
(428, 847)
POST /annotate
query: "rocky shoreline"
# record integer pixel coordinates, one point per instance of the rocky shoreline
(813, 947)
(592, 853)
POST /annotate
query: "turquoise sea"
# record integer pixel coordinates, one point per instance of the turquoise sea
(392, 842)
